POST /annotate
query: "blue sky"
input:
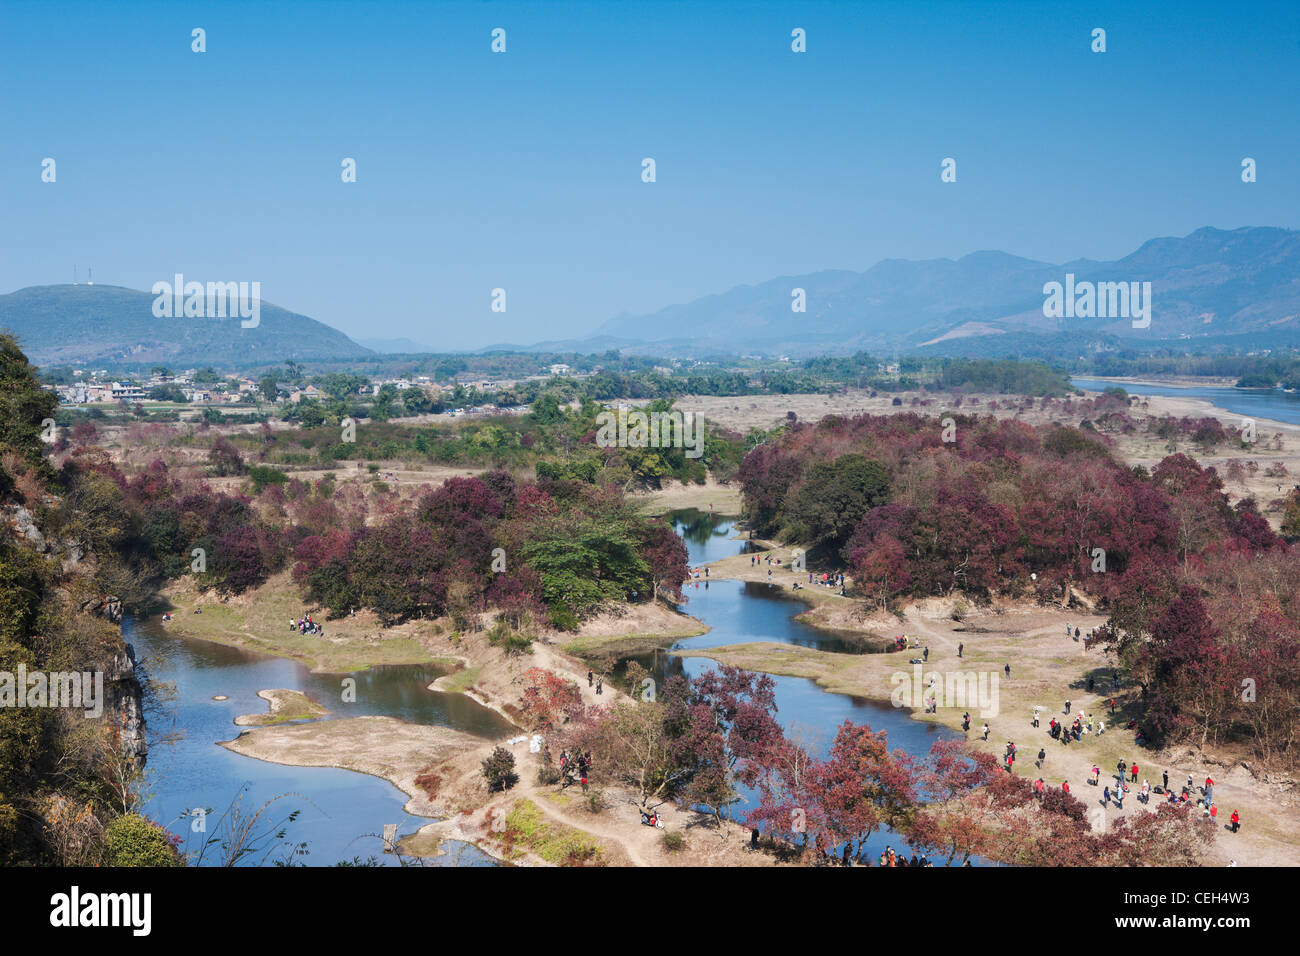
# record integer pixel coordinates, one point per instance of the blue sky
(522, 170)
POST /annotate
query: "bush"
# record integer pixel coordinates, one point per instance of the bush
(673, 842)
(131, 840)
(499, 770)
(595, 801)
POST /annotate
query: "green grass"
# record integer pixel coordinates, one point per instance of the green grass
(555, 843)
(460, 681)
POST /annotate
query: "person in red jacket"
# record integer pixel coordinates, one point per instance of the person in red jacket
(1236, 821)
(1066, 786)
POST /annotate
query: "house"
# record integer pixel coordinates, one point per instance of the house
(559, 369)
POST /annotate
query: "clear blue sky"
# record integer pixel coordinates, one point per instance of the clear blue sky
(522, 170)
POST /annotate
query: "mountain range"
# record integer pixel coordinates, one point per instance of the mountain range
(1212, 286)
(1212, 282)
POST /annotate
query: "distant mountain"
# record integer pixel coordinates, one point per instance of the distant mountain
(397, 346)
(1210, 283)
(84, 324)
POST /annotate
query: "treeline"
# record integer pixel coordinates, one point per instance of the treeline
(556, 440)
(554, 549)
(1001, 377)
(712, 740)
(1001, 508)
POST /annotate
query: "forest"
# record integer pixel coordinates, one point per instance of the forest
(1202, 593)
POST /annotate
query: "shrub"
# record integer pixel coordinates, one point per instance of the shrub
(674, 842)
(499, 770)
(131, 840)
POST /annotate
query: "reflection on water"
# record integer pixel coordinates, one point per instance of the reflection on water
(342, 812)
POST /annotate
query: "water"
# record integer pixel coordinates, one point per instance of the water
(740, 613)
(342, 812)
(1255, 402)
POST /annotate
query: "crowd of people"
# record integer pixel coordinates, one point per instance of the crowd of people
(305, 625)
(574, 768)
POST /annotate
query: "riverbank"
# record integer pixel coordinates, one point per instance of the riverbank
(1047, 668)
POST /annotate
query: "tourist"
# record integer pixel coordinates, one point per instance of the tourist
(600, 684)
(1165, 784)
(1065, 785)
(1067, 708)
(1133, 770)
(960, 648)
(986, 731)
(589, 678)
(1007, 671)
(1105, 795)
(925, 654)
(1235, 821)
(1096, 775)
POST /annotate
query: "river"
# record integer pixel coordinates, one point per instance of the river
(342, 812)
(1271, 403)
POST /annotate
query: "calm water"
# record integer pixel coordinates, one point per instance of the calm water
(342, 812)
(1260, 403)
(740, 613)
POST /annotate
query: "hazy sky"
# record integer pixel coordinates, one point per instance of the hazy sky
(522, 170)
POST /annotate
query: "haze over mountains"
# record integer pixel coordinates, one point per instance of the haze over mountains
(1212, 284)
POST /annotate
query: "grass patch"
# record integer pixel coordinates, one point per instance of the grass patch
(260, 621)
(459, 681)
(528, 827)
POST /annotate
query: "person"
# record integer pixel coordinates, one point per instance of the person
(589, 678)
(960, 648)
(1166, 779)
(1035, 717)
(965, 721)
(1042, 755)
(1105, 795)
(1007, 671)
(1235, 820)
(1133, 770)
(1121, 767)
(925, 654)
(600, 685)
(986, 731)
(1214, 813)
(1065, 785)
(753, 838)
(1067, 708)
(1096, 774)
(1101, 727)
(1076, 633)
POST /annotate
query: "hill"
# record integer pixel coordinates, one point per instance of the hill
(84, 324)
